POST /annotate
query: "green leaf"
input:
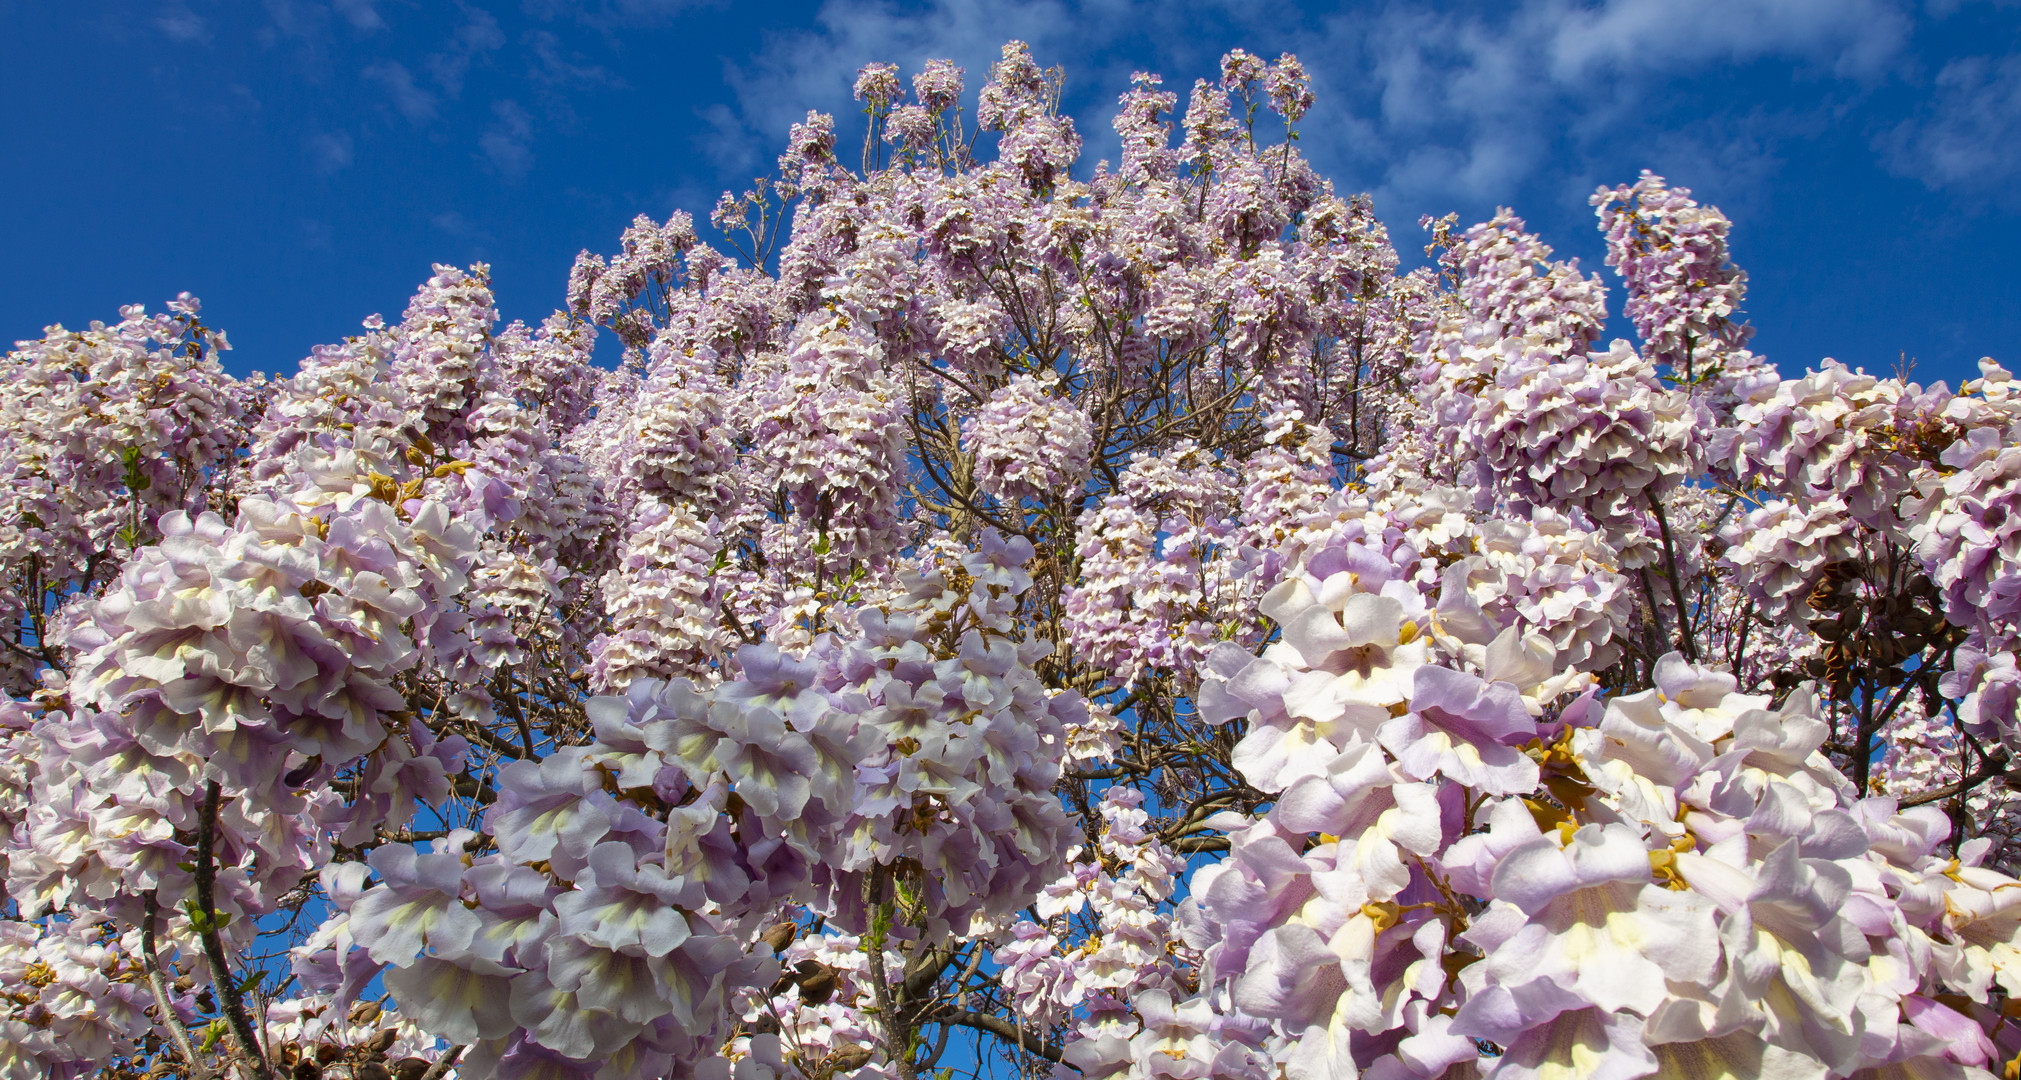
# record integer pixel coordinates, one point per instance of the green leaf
(201, 920)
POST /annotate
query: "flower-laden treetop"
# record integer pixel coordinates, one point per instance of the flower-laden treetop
(1105, 622)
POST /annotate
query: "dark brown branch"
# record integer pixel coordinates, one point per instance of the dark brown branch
(1991, 767)
(1204, 807)
(897, 1028)
(230, 998)
(1123, 767)
(1686, 641)
(1005, 1030)
(924, 972)
(472, 788)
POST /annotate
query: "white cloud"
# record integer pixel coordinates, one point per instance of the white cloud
(414, 103)
(361, 14)
(178, 23)
(1946, 8)
(613, 14)
(1424, 106)
(724, 139)
(1429, 106)
(556, 66)
(1856, 37)
(455, 224)
(476, 39)
(329, 151)
(507, 143)
(815, 69)
(1471, 107)
(1970, 135)
(296, 20)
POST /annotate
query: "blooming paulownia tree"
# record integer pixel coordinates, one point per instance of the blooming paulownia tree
(1101, 622)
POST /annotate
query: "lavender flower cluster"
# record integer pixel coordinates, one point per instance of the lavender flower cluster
(1106, 611)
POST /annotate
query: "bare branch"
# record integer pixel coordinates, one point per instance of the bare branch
(230, 998)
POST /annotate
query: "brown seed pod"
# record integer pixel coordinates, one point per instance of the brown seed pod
(849, 1059)
(779, 935)
(816, 985)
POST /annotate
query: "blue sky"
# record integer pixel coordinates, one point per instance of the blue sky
(299, 163)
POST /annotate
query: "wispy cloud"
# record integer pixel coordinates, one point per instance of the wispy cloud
(178, 23)
(300, 21)
(414, 103)
(329, 152)
(1969, 136)
(815, 68)
(1425, 105)
(555, 66)
(1470, 107)
(361, 14)
(455, 224)
(507, 143)
(1854, 37)
(1430, 105)
(615, 14)
(301, 30)
(477, 38)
